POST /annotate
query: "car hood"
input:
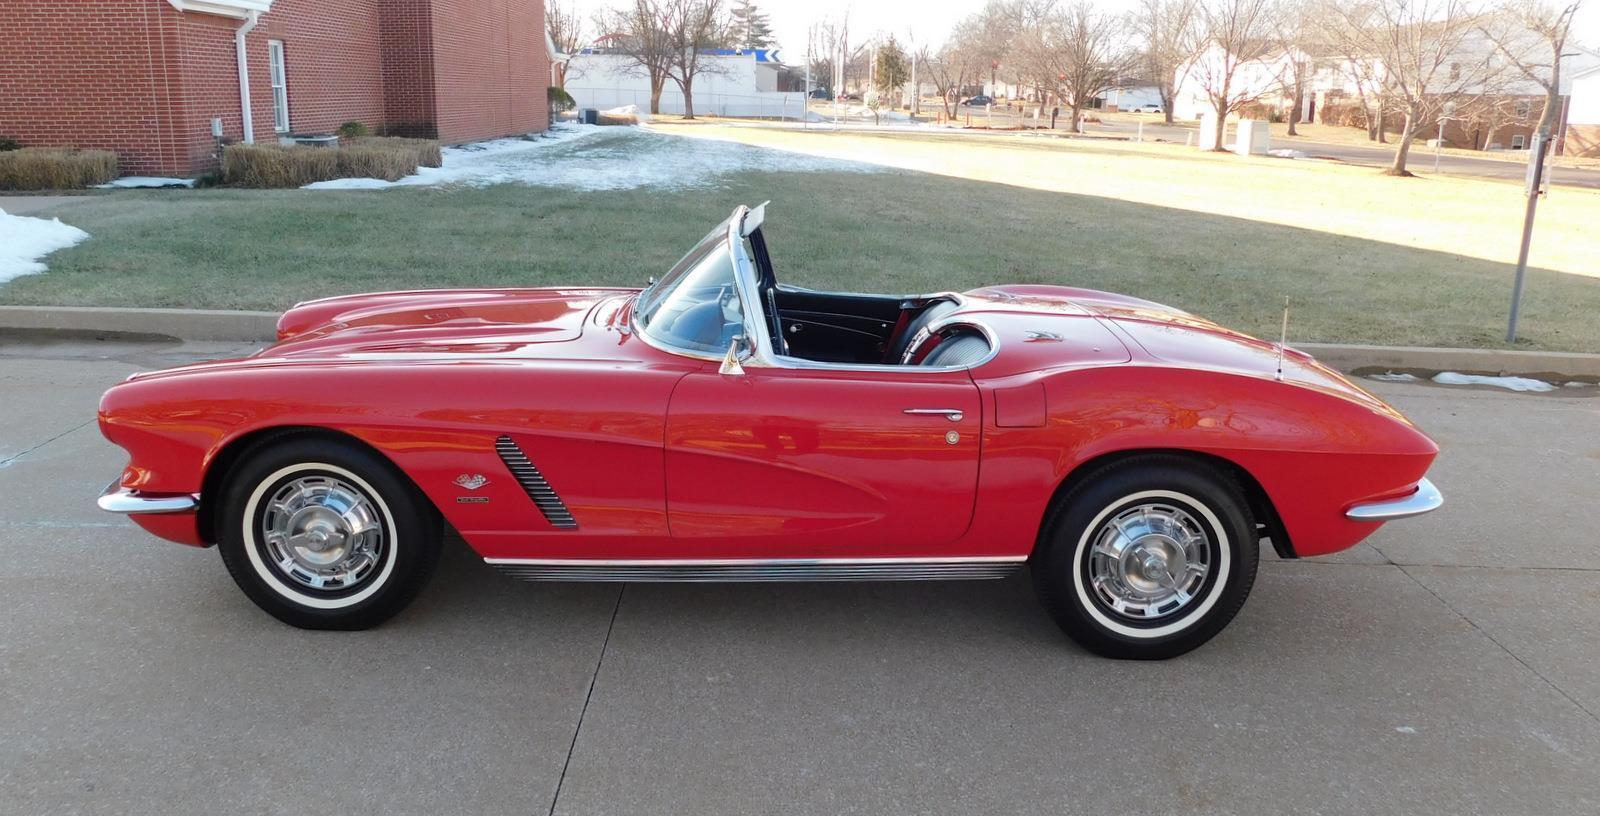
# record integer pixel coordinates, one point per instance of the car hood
(1162, 335)
(454, 322)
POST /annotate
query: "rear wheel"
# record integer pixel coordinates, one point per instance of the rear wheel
(1148, 558)
(323, 534)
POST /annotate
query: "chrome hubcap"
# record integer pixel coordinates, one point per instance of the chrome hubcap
(322, 533)
(1149, 561)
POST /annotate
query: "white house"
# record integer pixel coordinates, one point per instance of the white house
(1583, 114)
(731, 83)
(1265, 79)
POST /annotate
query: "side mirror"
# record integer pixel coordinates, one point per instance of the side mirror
(738, 350)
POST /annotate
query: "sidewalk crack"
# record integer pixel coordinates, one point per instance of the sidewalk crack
(588, 695)
(11, 460)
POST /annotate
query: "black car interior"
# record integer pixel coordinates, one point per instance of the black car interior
(840, 327)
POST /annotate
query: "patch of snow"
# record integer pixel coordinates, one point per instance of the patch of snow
(24, 240)
(1285, 153)
(593, 157)
(1512, 383)
(1576, 384)
(1405, 729)
(627, 111)
(143, 182)
(349, 184)
(1392, 376)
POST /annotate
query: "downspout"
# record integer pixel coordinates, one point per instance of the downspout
(244, 76)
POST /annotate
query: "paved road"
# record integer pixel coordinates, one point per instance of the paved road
(1447, 668)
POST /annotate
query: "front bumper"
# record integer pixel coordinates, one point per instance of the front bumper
(118, 499)
(1426, 500)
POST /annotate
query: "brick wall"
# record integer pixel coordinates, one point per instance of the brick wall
(490, 69)
(92, 76)
(145, 80)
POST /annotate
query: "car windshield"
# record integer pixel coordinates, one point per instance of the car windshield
(695, 306)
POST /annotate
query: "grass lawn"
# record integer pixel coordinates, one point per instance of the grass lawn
(1419, 146)
(1371, 270)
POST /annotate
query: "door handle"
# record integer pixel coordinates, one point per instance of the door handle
(952, 414)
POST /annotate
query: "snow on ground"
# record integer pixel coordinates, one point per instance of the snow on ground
(595, 157)
(1286, 153)
(1394, 376)
(131, 182)
(1512, 383)
(24, 240)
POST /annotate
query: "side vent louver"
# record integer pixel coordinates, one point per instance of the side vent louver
(532, 481)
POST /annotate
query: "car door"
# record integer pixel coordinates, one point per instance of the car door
(821, 463)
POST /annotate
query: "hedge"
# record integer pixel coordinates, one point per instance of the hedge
(55, 168)
(380, 157)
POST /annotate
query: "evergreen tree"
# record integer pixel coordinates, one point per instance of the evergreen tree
(893, 69)
(751, 28)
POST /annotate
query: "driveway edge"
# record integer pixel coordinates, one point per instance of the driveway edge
(180, 324)
(218, 324)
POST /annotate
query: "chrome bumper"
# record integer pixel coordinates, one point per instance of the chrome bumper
(1425, 500)
(118, 499)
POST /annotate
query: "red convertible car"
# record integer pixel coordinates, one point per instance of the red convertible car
(719, 426)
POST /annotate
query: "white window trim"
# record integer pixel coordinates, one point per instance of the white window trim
(1519, 142)
(278, 77)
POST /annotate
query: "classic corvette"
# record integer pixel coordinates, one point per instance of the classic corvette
(720, 426)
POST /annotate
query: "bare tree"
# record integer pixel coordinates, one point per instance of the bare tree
(565, 28)
(1428, 63)
(692, 26)
(637, 31)
(1532, 35)
(1296, 32)
(1168, 31)
(1075, 52)
(1234, 33)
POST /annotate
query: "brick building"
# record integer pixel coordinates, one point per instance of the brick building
(147, 78)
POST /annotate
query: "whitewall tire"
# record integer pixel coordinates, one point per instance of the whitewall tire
(325, 534)
(1147, 558)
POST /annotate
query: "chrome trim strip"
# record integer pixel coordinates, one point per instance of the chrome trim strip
(1426, 500)
(533, 483)
(118, 499)
(758, 569)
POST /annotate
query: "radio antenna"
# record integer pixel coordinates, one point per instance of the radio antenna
(1283, 337)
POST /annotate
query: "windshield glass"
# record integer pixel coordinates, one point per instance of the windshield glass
(695, 306)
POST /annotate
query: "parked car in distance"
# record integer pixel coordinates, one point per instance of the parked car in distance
(979, 101)
(820, 93)
(720, 426)
(1149, 108)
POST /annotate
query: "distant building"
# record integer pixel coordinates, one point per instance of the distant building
(1583, 114)
(150, 79)
(733, 82)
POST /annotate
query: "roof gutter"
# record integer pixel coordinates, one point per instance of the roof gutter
(244, 28)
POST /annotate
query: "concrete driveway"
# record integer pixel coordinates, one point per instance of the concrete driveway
(1446, 668)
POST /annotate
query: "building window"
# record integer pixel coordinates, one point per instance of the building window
(280, 87)
(1518, 141)
(1524, 108)
(1455, 71)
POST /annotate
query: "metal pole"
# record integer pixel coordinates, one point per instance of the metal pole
(1535, 177)
(1438, 146)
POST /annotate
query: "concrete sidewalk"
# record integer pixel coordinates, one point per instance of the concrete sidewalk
(1445, 668)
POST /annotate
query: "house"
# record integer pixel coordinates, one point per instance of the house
(1581, 136)
(1264, 79)
(731, 82)
(162, 82)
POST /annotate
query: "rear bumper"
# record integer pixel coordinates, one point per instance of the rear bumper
(118, 499)
(1425, 500)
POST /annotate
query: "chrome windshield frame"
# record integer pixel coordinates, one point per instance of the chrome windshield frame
(746, 284)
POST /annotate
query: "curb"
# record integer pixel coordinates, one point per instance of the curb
(1539, 364)
(179, 324)
(219, 324)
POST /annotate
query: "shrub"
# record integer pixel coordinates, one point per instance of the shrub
(352, 130)
(296, 166)
(55, 168)
(560, 100)
(7, 143)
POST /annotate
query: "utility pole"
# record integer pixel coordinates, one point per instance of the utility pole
(1541, 143)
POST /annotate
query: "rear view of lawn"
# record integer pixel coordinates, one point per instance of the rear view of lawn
(891, 232)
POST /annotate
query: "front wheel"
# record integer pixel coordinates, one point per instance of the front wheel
(324, 534)
(1148, 558)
